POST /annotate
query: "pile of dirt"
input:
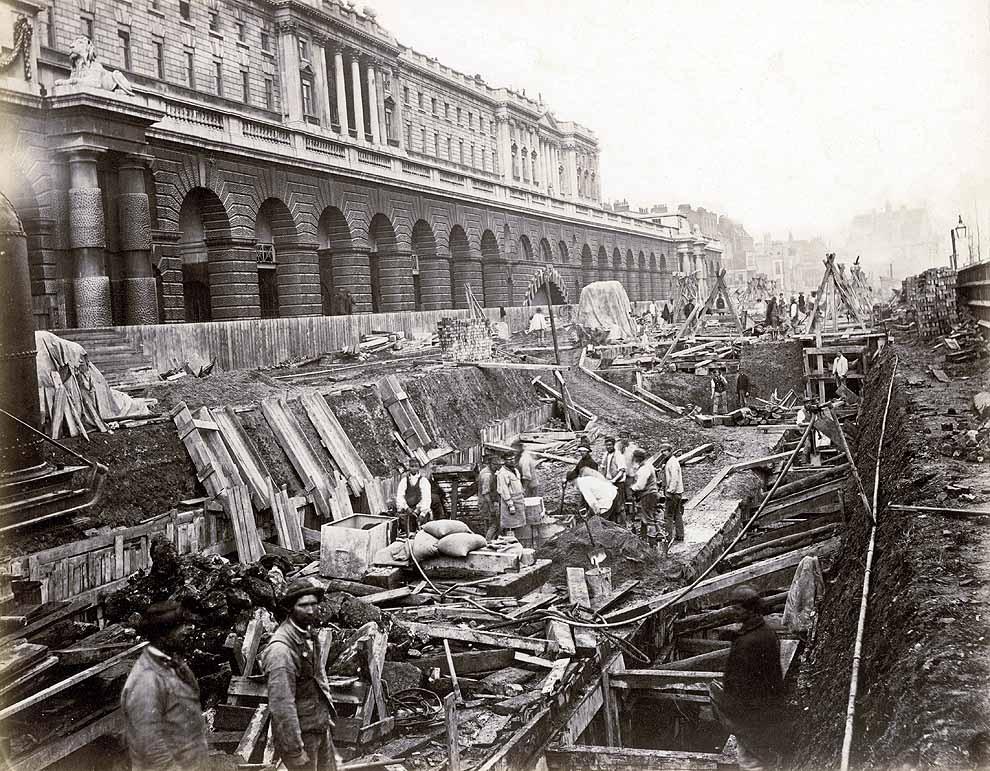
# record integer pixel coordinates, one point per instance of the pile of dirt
(773, 365)
(627, 556)
(682, 388)
(243, 386)
(922, 692)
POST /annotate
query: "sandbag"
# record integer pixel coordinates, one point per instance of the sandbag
(439, 528)
(461, 544)
(424, 545)
(396, 553)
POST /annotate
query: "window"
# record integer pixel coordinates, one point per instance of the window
(471, 121)
(307, 95)
(160, 59)
(154, 5)
(436, 144)
(214, 20)
(446, 109)
(474, 161)
(246, 86)
(494, 161)
(184, 10)
(460, 151)
(433, 105)
(266, 37)
(389, 131)
(409, 136)
(218, 78)
(422, 141)
(304, 49)
(190, 70)
(125, 48)
(50, 31)
(450, 149)
(458, 116)
(269, 94)
(86, 27)
(405, 94)
(419, 99)
(239, 27)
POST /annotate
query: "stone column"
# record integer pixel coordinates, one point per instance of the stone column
(358, 100)
(291, 85)
(495, 277)
(352, 271)
(467, 271)
(434, 282)
(322, 84)
(233, 271)
(539, 179)
(340, 89)
(504, 149)
(571, 169)
(298, 278)
(373, 103)
(396, 280)
(134, 224)
(400, 127)
(87, 242)
(165, 255)
(382, 135)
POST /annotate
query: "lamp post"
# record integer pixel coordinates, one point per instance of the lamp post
(958, 234)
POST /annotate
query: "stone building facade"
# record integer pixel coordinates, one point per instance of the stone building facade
(290, 158)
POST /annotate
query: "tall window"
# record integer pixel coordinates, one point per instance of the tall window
(125, 48)
(389, 132)
(436, 144)
(446, 109)
(405, 94)
(474, 161)
(433, 105)
(159, 46)
(50, 26)
(422, 141)
(269, 94)
(304, 49)
(450, 151)
(307, 95)
(409, 136)
(266, 37)
(190, 69)
(214, 20)
(515, 162)
(239, 26)
(419, 99)
(494, 161)
(460, 151)
(458, 116)
(184, 10)
(218, 77)
(246, 86)
(471, 121)
(86, 27)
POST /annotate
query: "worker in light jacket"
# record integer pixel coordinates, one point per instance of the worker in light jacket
(673, 492)
(512, 503)
(414, 497)
(162, 716)
(488, 496)
(298, 692)
(647, 493)
(526, 464)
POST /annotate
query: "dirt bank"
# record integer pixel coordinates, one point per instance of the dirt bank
(777, 365)
(923, 695)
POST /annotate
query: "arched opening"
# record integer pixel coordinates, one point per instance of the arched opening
(431, 274)
(274, 230)
(632, 285)
(466, 268)
(527, 248)
(587, 266)
(334, 244)
(654, 278)
(643, 279)
(562, 252)
(494, 271)
(381, 242)
(545, 287)
(602, 274)
(203, 227)
(546, 254)
(616, 264)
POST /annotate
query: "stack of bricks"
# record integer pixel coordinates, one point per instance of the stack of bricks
(932, 294)
(464, 339)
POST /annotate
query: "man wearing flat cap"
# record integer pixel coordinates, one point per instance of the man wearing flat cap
(163, 718)
(298, 692)
(749, 701)
(585, 461)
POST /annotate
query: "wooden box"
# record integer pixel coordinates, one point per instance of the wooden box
(348, 546)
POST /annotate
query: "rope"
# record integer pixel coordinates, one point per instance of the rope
(865, 598)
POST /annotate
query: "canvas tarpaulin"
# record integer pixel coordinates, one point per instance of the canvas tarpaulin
(605, 305)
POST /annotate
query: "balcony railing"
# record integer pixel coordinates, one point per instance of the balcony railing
(266, 132)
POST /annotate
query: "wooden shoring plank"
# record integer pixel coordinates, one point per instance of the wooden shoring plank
(492, 639)
(453, 743)
(52, 751)
(243, 451)
(68, 682)
(555, 676)
(208, 469)
(252, 640)
(712, 661)
(709, 488)
(336, 441)
(597, 758)
(256, 729)
(722, 582)
(287, 526)
(633, 679)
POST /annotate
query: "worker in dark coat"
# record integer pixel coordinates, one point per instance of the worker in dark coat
(749, 701)
(163, 719)
(585, 461)
(298, 693)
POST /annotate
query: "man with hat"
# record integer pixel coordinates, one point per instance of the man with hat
(644, 488)
(585, 461)
(512, 501)
(750, 699)
(719, 386)
(673, 493)
(298, 693)
(414, 497)
(163, 718)
(487, 496)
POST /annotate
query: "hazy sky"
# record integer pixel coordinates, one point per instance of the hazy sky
(784, 115)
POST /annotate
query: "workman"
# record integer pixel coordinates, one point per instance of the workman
(585, 461)
(802, 304)
(742, 389)
(652, 310)
(538, 323)
(162, 715)
(512, 504)
(298, 693)
(613, 468)
(749, 700)
(644, 487)
(414, 496)
(719, 386)
(487, 496)
(840, 369)
(666, 315)
(687, 309)
(673, 491)
(526, 464)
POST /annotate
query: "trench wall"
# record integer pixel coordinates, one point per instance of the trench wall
(904, 715)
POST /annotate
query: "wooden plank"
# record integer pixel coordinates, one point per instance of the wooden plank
(208, 469)
(453, 744)
(52, 751)
(243, 451)
(493, 639)
(633, 679)
(388, 595)
(596, 758)
(709, 488)
(287, 525)
(30, 675)
(555, 677)
(336, 441)
(255, 731)
(560, 633)
(702, 662)
(68, 611)
(724, 581)
(577, 588)
(470, 662)
(252, 640)
(214, 441)
(68, 682)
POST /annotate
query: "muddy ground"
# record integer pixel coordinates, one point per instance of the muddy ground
(772, 365)
(925, 678)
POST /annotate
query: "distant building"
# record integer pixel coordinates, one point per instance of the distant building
(901, 240)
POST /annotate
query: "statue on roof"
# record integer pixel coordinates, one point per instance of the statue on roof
(88, 70)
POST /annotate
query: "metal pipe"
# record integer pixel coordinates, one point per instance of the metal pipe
(865, 597)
